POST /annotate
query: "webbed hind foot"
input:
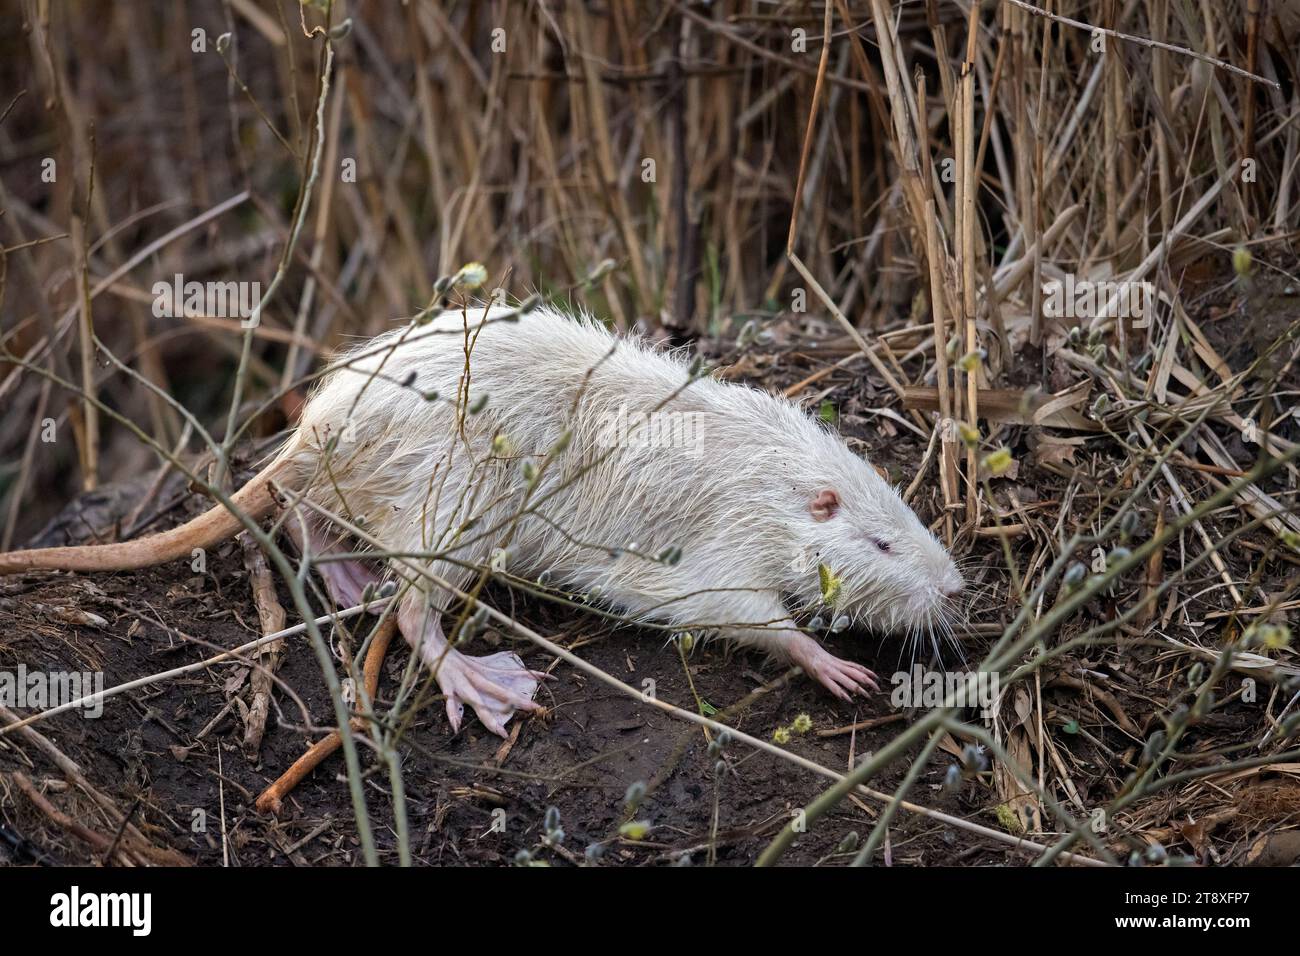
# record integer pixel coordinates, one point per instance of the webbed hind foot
(495, 686)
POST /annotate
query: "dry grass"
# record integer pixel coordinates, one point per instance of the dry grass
(721, 174)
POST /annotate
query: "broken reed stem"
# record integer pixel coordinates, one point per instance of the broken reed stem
(598, 127)
(809, 128)
(994, 83)
(271, 617)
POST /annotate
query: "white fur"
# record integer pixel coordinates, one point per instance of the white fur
(737, 504)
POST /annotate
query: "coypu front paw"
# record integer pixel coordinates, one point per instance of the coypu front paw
(842, 678)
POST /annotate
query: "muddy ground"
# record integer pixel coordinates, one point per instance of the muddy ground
(580, 759)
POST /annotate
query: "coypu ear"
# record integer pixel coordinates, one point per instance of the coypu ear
(825, 505)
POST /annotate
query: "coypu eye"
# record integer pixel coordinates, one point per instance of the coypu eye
(882, 546)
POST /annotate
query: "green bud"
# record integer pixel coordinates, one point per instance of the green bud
(471, 276)
(635, 829)
(1242, 261)
(970, 362)
(999, 462)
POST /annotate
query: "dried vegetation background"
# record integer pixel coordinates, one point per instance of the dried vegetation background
(856, 203)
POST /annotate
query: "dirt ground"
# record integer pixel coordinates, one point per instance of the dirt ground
(581, 759)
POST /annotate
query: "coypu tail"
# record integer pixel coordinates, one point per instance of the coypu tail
(212, 527)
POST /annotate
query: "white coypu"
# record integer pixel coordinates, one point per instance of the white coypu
(546, 447)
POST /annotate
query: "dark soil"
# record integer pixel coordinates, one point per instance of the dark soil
(581, 758)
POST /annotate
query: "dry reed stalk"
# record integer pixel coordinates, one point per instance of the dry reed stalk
(88, 434)
(969, 186)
